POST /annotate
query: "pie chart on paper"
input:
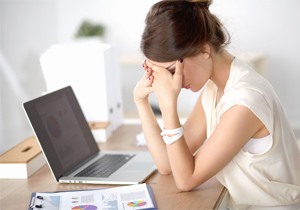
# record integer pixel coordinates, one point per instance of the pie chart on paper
(137, 203)
(84, 207)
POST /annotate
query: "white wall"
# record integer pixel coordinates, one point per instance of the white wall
(29, 27)
(124, 20)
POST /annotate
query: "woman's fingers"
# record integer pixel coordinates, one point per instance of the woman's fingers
(178, 72)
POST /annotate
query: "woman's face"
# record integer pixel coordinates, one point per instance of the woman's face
(196, 71)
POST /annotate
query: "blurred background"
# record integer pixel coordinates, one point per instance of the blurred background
(264, 32)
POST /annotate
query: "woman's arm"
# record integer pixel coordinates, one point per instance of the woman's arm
(195, 127)
(150, 127)
(153, 138)
(236, 127)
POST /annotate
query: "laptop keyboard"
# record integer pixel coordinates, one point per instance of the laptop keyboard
(105, 166)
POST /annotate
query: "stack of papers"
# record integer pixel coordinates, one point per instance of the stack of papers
(127, 197)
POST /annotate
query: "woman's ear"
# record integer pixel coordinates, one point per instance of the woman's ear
(206, 50)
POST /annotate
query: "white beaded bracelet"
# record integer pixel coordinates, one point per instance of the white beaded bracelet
(177, 134)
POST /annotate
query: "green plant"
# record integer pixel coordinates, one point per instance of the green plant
(90, 29)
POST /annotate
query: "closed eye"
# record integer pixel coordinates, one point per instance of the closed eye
(172, 70)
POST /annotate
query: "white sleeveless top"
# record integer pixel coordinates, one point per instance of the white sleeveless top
(265, 174)
(258, 145)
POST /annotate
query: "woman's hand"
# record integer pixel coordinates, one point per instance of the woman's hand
(144, 87)
(166, 85)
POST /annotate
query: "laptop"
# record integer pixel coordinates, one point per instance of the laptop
(70, 149)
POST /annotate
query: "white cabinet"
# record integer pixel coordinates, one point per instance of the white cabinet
(92, 69)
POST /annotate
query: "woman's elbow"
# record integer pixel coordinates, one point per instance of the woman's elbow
(186, 185)
(164, 171)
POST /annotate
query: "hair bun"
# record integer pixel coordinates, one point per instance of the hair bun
(202, 3)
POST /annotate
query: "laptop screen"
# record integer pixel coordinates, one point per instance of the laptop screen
(62, 130)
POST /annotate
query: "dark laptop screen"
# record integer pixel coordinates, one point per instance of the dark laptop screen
(62, 130)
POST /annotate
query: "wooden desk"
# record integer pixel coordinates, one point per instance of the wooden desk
(15, 194)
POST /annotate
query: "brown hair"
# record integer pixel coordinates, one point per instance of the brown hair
(178, 29)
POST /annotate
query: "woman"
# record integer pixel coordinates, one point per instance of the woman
(237, 130)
